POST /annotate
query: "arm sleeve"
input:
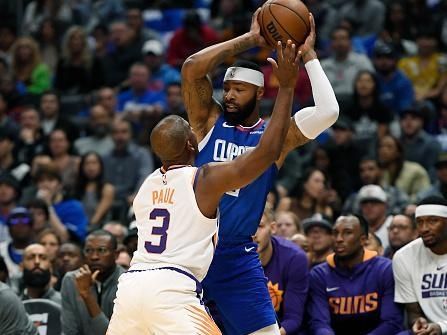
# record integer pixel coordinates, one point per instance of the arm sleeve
(99, 324)
(318, 307)
(312, 121)
(403, 287)
(391, 315)
(69, 319)
(295, 294)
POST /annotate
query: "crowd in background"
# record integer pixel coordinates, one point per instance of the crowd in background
(83, 82)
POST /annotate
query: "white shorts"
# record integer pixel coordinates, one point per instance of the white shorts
(160, 301)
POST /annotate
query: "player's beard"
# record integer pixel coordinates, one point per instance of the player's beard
(243, 113)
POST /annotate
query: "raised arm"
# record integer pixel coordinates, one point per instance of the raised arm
(215, 179)
(197, 89)
(309, 122)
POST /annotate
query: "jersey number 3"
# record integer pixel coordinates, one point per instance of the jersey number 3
(159, 231)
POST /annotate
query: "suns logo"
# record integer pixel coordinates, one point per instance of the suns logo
(275, 295)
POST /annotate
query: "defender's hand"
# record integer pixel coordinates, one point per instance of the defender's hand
(286, 67)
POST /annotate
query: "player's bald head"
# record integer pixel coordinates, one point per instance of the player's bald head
(170, 137)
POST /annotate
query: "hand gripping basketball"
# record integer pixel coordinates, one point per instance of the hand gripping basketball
(286, 67)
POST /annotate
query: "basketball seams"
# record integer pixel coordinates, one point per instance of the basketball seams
(280, 25)
(297, 14)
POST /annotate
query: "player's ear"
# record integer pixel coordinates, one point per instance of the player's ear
(190, 146)
(259, 93)
(273, 227)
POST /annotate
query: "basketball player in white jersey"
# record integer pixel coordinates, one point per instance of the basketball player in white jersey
(175, 211)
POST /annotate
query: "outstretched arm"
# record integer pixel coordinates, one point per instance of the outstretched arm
(215, 179)
(309, 122)
(197, 89)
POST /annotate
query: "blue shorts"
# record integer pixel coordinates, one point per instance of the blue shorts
(237, 287)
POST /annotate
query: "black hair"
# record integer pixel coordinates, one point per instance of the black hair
(341, 28)
(433, 200)
(247, 64)
(51, 92)
(83, 179)
(39, 204)
(377, 239)
(102, 232)
(364, 226)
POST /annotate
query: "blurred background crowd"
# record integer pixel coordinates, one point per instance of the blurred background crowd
(83, 82)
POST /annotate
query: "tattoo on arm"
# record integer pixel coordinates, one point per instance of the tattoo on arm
(240, 47)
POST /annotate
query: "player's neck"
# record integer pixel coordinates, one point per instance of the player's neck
(349, 263)
(251, 120)
(440, 249)
(266, 255)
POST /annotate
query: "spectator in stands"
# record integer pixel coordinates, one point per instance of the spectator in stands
(106, 98)
(374, 208)
(48, 39)
(309, 196)
(370, 117)
(38, 10)
(131, 239)
(287, 224)
(13, 93)
(88, 293)
(51, 241)
(161, 73)
(116, 229)
(410, 177)
(13, 317)
(193, 36)
(28, 68)
(39, 211)
(345, 153)
(8, 160)
(139, 99)
(31, 139)
(439, 187)
(420, 147)
(374, 243)
(425, 70)
(319, 235)
(401, 231)
(6, 122)
(78, 71)
(419, 270)
(367, 17)
(8, 35)
(9, 195)
(127, 165)
(174, 100)
(69, 258)
(100, 139)
(20, 224)
(127, 51)
(36, 266)
(370, 173)
(135, 21)
(52, 117)
(100, 35)
(285, 266)
(344, 64)
(352, 293)
(59, 148)
(396, 90)
(91, 189)
(62, 209)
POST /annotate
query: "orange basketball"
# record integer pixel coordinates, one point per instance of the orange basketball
(283, 20)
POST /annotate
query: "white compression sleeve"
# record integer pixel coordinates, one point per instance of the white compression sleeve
(312, 121)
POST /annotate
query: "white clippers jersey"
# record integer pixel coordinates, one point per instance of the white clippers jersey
(171, 229)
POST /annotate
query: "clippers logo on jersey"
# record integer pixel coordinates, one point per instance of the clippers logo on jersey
(354, 304)
(434, 285)
(227, 151)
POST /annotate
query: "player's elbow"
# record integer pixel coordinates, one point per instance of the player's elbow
(189, 67)
(333, 113)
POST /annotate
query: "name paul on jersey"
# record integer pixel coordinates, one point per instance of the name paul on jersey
(434, 285)
(227, 151)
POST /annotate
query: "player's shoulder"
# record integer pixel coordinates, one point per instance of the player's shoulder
(321, 271)
(287, 246)
(410, 250)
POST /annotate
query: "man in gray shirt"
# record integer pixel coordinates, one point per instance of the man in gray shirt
(13, 318)
(88, 293)
(37, 275)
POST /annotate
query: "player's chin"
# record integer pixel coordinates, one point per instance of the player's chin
(429, 240)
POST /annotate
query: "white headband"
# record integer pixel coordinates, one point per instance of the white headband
(243, 74)
(431, 210)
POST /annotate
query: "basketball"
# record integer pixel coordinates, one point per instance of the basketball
(281, 20)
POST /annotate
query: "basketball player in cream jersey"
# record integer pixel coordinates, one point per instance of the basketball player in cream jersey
(175, 210)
